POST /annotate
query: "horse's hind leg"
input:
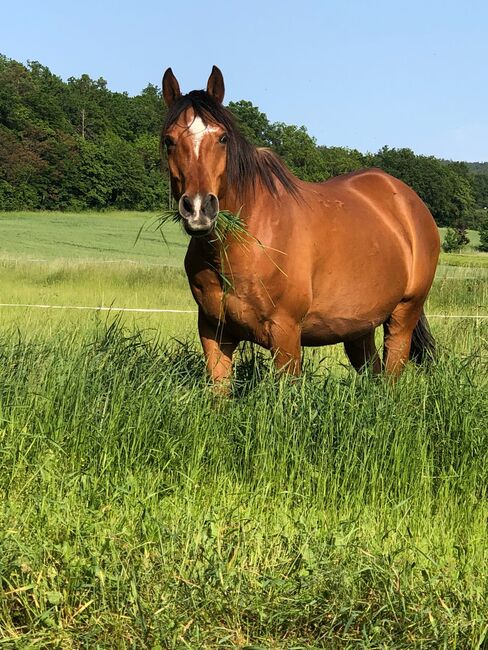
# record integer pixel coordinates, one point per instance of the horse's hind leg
(362, 353)
(398, 336)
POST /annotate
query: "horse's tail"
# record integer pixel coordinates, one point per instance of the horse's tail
(422, 347)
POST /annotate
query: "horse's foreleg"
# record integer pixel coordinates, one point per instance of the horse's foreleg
(218, 350)
(285, 346)
(362, 353)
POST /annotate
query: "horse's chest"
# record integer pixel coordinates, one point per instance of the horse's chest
(233, 306)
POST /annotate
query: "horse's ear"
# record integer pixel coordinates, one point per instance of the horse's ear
(171, 87)
(215, 85)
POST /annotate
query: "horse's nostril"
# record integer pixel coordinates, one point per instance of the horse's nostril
(210, 205)
(187, 204)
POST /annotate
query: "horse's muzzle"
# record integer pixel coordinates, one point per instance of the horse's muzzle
(198, 214)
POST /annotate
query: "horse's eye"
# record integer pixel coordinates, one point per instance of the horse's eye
(168, 141)
(223, 139)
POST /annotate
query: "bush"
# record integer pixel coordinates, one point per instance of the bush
(483, 246)
(455, 239)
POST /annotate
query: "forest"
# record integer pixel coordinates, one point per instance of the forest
(76, 145)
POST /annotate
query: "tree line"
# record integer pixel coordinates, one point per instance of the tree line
(76, 145)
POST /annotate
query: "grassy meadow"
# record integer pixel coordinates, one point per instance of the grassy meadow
(137, 511)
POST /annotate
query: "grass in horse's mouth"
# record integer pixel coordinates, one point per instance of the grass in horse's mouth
(227, 223)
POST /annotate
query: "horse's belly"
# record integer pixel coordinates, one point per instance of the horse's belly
(322, 328)
(352, 302)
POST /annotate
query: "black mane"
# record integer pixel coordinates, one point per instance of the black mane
(245, 163)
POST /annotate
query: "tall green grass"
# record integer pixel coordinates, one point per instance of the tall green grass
(139, 511)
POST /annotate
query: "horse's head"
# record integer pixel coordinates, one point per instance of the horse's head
(210, 161)
(196, 138)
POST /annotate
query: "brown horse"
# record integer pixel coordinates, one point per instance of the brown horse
(323, 263)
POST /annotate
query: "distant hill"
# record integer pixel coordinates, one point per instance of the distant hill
(478, 167)
(474, 167)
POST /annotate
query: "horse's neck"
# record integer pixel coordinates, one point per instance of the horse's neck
(234, 203)
(248, 207)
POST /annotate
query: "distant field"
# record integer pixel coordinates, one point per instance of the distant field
(92, 259)
(90, 236)
(139, 511)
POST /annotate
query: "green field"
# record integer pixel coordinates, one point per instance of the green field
(102, 237)
(136, 511)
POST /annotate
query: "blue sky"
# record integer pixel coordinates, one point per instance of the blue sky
(358, 74)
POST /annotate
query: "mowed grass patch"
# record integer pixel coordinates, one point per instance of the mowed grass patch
(114, 236)
(137, 510)
(101, 236)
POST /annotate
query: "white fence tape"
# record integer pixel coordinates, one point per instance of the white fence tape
(181, 311)
(134, 309)
(456, 316)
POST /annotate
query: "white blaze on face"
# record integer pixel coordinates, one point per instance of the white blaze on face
(197, 204)
(198, 131)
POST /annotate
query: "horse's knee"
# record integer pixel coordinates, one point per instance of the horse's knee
(285, 345)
